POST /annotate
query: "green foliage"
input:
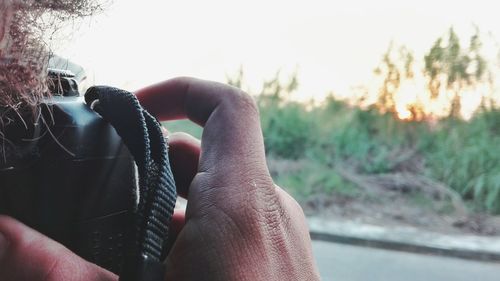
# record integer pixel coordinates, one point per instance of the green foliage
(466, 157)
(289, 127)
(366, 139)
(420, 199)
(450, 67)
(455, 66)
(459, 64)
(396, 65)
(289, 131)
(314, 178)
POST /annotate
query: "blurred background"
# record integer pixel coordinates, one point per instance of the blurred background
(377, 112)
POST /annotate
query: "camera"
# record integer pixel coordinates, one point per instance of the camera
(66, 173)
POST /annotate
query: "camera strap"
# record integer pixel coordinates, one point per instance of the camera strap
(142, 135)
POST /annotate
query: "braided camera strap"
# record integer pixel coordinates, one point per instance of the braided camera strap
(143, 136)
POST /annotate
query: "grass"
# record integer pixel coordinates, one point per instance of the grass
(464, 155)
(313, 178)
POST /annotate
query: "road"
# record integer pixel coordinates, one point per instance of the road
(338, 262)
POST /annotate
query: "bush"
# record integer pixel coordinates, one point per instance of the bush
(289, 130)
(464, 155)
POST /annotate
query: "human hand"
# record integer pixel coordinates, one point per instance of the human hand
(238, 224)
(26, 255)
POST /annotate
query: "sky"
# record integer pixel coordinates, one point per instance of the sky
(333, 45)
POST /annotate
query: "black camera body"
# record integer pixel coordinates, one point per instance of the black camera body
(70, 177)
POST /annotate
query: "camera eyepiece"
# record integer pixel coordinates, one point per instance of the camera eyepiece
(62, 83)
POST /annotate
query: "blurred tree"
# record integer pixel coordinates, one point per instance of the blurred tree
(450, 67)
(396, 65)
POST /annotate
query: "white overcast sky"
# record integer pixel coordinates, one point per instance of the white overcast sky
(333, 44)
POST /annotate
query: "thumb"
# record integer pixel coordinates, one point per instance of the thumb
(28, 255)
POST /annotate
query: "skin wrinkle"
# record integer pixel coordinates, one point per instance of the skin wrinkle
(248, 232)
(282, 244)
(199, 234)
(248, 247)
(295, 241)
(51, 273)
(227, 221)
(271, 248)
(276, 224)
(21, 241)
(211, 249)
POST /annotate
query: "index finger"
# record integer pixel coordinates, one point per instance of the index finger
(232, 139)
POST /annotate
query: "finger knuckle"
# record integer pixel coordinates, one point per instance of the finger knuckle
(53, 270)
(242, 101)
(291, 203)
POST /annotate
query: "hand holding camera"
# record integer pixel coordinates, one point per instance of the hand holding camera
(238, 225)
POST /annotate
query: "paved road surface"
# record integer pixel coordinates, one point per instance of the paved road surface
(339, 262)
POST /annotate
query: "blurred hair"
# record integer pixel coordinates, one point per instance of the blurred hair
(24, 52)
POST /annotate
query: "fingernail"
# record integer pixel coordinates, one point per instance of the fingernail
(3, 246)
